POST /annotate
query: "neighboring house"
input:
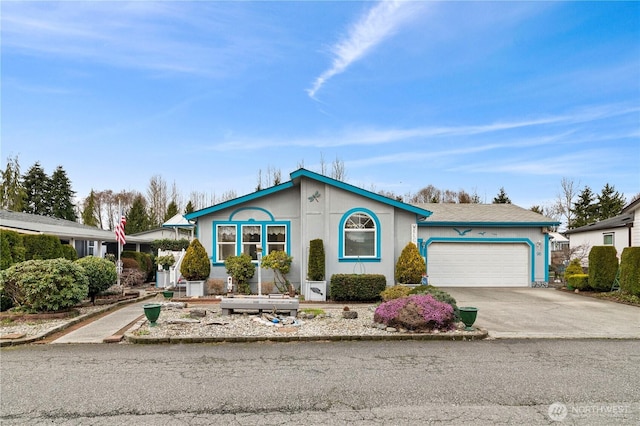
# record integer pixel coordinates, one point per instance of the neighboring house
(364, 232)
(619, 231)
(87, 240)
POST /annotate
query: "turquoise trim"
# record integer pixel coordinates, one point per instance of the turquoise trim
(546, 257)
(239, 200)
(491, 224)
(263, 236)
(233, 213)
(423, 245)
(422, 213)
(341, 256)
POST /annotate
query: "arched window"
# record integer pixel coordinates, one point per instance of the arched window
(359, 236)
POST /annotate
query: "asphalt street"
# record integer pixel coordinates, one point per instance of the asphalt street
(370, 383)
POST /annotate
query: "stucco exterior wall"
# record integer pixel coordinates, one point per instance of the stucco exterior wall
(590, 239)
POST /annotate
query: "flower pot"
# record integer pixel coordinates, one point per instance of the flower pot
(152, 312)
(468, 315)
(167, 294)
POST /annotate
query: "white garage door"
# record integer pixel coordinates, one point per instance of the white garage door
(478, 265)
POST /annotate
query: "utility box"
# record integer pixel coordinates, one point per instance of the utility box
(315, 291)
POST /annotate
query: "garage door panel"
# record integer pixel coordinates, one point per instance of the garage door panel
(478, 264)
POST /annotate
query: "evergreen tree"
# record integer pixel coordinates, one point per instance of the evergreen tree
(37, 187)
(172, 210)
(502, 197)
(137, 218)
(584, 209)
(610, 202)
(61, 196)
(89, 212)
(12, 195)
(189, 208)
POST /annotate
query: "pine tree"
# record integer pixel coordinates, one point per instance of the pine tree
(89, 212)
(584, 209)
(610, 202)
(137, 217)
(61, 196)
(12, 195)
(502, 197)
(37, 187)
(172, 210)
(189, 208)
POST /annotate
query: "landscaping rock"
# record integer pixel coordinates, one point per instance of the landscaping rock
(198, 313)
(349, 314)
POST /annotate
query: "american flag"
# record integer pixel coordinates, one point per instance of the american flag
(120, 237)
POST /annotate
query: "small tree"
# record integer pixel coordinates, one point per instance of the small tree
(196, 265)
(630, 271)
(280, 262)
(315, 267)
(410, 265)
(242, 269)
(100, 272)
(603, 266)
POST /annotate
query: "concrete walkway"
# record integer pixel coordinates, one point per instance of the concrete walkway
(105, 327)
(548, 313)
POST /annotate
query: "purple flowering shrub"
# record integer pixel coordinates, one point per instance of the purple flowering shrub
(417, 312)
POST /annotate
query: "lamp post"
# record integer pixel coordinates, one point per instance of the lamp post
(259, 252)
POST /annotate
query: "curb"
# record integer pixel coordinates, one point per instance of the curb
(479, 334)
(74, 321)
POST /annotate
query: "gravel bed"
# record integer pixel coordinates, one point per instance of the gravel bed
(178, 322)
(32, 328)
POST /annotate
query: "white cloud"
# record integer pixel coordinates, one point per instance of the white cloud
(378, 24)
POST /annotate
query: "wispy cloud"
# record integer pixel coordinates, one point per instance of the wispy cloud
(378, 24)
(554, 125)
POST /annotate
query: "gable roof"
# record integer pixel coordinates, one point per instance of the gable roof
(620, 221)
(63, 229)
(296, 177)
(447, 214)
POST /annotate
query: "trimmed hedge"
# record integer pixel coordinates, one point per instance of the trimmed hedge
(167, 244)
(196, 265)
(410, 265)
(574, 267)
(316, 260)
(357, 287)
(12, 250)
(579, 281)
(45, 285)
(603, 267)
(630, 271)
(41, 247)
(69, 252)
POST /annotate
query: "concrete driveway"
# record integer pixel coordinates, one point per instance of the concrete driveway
(547, 313)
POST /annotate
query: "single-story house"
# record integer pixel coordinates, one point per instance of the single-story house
(619, 231)
(87, 240)
(365, 232)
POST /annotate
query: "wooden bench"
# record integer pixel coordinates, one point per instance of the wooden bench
(229, 304)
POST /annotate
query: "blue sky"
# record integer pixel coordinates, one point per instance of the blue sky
(460, 95)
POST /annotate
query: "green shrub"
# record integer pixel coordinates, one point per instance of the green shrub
(101, 274)
(242, 269)
(574, 267)
(45, 285)
(316, 260)
(603, 267)
(12, 250)
(439, 295)
(280, 263)
(357, 287)
(410, 265)
(167, 244)
(145, 263)
(579, 281)
(69, 252)
(128, 263)
(395, 292)
(196, 264)
(40, 247)
(630, 271)
(5, 301)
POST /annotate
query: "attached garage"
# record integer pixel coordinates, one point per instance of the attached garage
(479, 264)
